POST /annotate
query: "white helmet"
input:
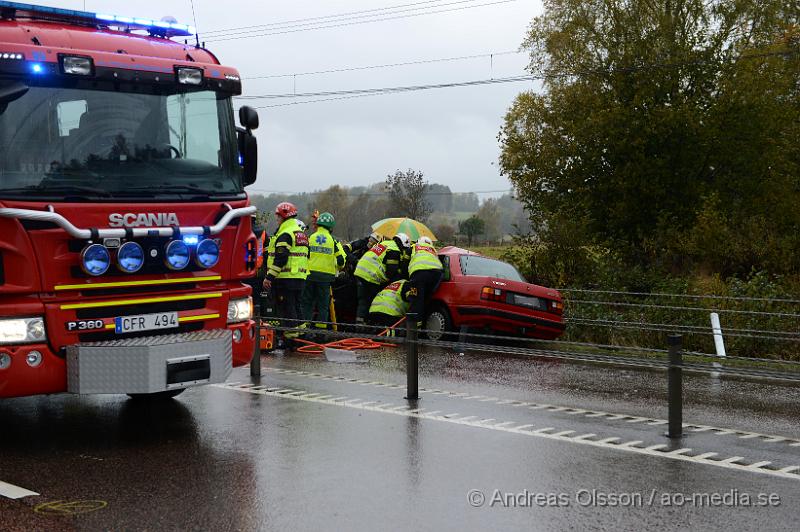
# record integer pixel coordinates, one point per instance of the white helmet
(425, 241)
(404, 239)
(302, 225)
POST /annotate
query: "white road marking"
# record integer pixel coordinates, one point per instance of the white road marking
(718, 431)
(729, 463)
(706, 455)
(11, 491)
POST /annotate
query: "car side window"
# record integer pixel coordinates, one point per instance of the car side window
(446, 263)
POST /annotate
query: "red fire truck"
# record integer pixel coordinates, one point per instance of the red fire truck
(125, 231)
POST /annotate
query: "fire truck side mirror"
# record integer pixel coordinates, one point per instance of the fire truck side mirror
(248, 117)
(248, 151)
(248, 147)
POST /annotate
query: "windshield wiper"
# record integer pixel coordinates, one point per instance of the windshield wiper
(57, 189)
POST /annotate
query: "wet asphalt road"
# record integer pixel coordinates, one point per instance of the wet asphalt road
(317, 445)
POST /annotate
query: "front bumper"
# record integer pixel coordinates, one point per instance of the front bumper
(150, 364)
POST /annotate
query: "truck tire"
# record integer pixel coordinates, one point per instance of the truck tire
(158, 396)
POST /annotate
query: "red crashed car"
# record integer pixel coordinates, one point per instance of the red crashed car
(487, 294)
(479, 293)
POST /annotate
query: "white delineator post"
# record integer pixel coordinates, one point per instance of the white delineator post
(719, 344)
(717, 329)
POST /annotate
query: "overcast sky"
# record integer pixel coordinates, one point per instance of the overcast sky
(449, 134)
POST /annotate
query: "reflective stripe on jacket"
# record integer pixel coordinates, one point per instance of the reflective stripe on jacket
(423, 258)
(372, 267)
(390, 301)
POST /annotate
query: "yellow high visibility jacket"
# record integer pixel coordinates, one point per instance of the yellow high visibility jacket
(322, 253)
(391, 300)
(372, 265)
(297, 242)
(423, 258)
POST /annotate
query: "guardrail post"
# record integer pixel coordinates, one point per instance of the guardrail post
(412, 358)
(675, 386)
(255, 362)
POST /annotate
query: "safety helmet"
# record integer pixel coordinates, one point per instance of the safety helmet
(376, 237)
(326, 220)
(286, 210)
(403, 239)
(425, 241)
(302, 225)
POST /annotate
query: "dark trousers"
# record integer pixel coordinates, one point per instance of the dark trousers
(317, 295)
(425, 282)
(287, 294)
(366, 293)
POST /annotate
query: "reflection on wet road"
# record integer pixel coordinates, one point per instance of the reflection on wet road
(495, 442)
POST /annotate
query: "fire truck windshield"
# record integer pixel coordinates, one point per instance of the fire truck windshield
(58, 142)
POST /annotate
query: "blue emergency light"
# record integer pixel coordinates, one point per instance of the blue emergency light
(162, 27)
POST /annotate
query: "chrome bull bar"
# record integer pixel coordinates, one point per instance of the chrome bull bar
(85, 234)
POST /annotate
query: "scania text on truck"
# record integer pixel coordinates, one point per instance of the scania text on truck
(125, 231)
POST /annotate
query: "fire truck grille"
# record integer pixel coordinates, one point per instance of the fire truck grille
(147, 308)
(127, 290)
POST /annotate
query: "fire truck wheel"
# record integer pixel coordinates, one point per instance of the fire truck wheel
(158, 396)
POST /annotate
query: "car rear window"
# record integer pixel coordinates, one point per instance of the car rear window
(483, 266)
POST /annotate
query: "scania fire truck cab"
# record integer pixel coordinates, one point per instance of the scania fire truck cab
(125, 230)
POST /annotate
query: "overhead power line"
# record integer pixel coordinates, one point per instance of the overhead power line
(372, 193)
(386, 90)
(389, 65)
(360, 93)
(324, 17)
(339, 25)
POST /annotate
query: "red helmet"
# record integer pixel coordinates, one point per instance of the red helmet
(286, 210)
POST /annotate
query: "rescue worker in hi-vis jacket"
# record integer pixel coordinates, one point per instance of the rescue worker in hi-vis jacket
(287, 268)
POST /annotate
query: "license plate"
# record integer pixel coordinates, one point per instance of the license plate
(146, 322)
(530, 302)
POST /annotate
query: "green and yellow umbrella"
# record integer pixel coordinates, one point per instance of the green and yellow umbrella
(389, 227)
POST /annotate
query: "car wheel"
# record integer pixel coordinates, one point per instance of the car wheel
(158, 396)
(438, 324)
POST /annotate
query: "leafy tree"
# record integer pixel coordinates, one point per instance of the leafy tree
(407, 194)
(471, 227)
(658, 115)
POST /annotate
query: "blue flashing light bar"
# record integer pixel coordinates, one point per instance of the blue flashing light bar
(168, 29)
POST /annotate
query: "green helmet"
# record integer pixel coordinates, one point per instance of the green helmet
(326, 220)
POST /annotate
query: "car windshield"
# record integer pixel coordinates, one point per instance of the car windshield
(60, 142)
(486, 267)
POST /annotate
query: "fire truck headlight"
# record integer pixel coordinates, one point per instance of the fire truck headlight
(77, 65)
(240, 310)
(95, 259)
(5, 361)
(22, 331)
(189, 76)
(130, 257)
(207, 254)
(177, 255)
